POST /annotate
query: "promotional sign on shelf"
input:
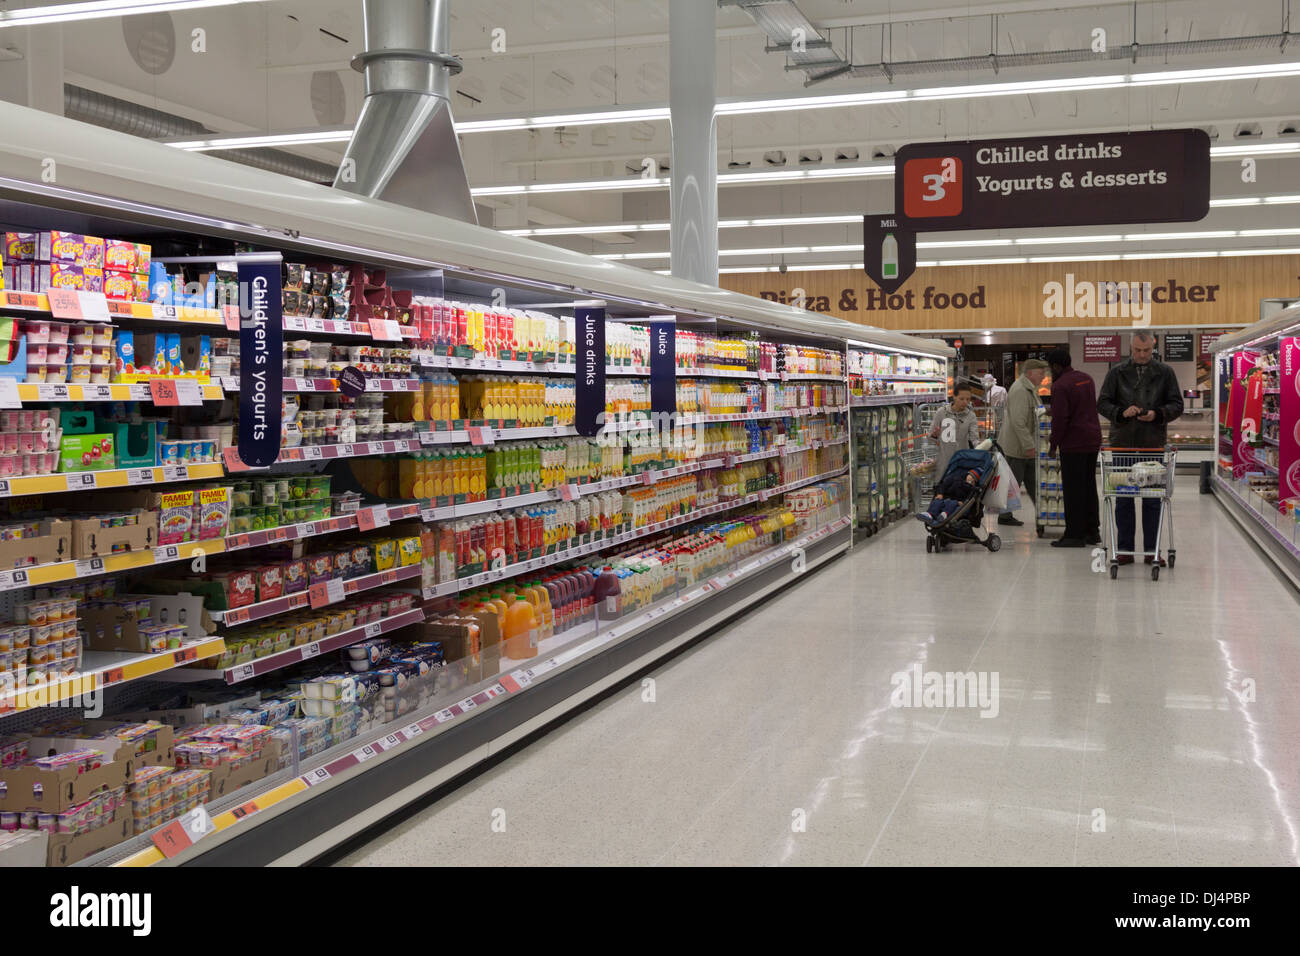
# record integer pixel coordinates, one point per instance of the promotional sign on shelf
(888, 251)
(589, 393)
(663, 365)
(261, 367)
(1288, 462)
(1082, 180)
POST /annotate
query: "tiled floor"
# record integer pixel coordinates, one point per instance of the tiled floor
(1127, 731)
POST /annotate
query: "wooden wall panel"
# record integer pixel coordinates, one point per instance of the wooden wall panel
(1212, 291)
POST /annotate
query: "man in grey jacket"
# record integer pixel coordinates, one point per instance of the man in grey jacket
(1018, 437)
(1139, 398)
(955, 426)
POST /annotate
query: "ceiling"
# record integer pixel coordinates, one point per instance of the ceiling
(283, 66)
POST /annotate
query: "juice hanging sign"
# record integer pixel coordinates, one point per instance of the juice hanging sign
(1090, 179)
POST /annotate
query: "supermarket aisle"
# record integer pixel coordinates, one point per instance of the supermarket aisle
(1123, 732)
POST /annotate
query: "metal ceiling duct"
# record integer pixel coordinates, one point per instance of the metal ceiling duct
(110, 112)
(404, 149)
(784, 24)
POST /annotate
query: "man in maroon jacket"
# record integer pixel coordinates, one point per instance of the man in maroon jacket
(1076, 432)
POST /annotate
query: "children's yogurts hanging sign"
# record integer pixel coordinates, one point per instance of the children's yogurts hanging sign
(261, 367)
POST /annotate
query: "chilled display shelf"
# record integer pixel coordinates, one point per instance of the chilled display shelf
(938, 380)
(115, 478)
(567, 367)
(336, 590)
(873, 401)
(107, 668)
(385, 741)
(578, 490)
(310, 453)
(95, 307)
(305, 652)
(1261, 520)
(231, 384)
(47, 392)
(613, 540)
(45, 574)
(293, 323)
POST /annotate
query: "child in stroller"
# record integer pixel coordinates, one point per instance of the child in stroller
(952, 491)
(957, 511)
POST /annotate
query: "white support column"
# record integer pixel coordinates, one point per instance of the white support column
(692, 68)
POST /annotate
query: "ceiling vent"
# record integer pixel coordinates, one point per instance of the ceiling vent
(151, 41)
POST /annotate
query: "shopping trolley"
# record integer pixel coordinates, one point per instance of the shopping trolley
(1139, 473)
(918, 454)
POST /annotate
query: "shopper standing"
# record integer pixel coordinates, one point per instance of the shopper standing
(955, 427)
(994, 394)
(1076, 433)
(1018, 437)
(1140, 397)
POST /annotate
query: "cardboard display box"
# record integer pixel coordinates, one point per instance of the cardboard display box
(53, 791)
(462, 654)
(225, 781)
(172, 610)
(199, 711)
(114, 749)
(89, 540)
(54, 544)
(67, 848)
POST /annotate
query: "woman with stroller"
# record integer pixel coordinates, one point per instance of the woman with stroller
(955, 426)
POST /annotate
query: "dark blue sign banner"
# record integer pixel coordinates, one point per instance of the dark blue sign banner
(261, 362)
(663, 366)
(589, 399)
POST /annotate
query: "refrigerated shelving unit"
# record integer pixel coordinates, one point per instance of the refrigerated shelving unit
(119, 185)
(885, 386)
(1257, 469)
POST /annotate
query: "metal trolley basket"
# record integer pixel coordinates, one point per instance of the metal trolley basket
(1135, 473)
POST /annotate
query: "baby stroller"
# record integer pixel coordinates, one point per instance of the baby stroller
(962, 526)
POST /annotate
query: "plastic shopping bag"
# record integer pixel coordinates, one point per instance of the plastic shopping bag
(997, 498)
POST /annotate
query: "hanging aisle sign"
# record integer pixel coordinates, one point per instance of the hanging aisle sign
(261, 365)
(589, 390)
(1083, 180)
(663, 366)
(888, 251)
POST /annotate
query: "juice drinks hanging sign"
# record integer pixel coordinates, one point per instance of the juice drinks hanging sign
(589, 391)
(1288, 465)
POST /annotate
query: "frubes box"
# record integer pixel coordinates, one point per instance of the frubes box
(20, 246)
(70, 247)
(66, 275)
(87, 453)
(122, 256)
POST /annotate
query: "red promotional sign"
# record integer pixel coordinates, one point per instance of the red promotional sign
(164, 392)
(1245, 427)
(1101, 348)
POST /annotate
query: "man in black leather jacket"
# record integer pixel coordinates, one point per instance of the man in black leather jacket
(1140, 398)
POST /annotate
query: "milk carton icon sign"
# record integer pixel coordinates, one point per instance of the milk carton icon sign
(889, 257)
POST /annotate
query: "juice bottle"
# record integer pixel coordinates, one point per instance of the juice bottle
(607, 592)
(520, 628)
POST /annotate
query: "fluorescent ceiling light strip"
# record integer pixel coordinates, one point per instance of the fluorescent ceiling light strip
(1237, 201)
(1168, 255)
(830, 101)
(1254, 149)
(269, 139)
(1071, 258)
(1058, 240)
(981, 262)
(1281, 199)
(98, 9)
(962, 243)
(1269, 232)
(848, 247)
(793, 221)
(1027, 86)
(1256, 71)
(1179, 236)
(767, 251)
(1260, 252)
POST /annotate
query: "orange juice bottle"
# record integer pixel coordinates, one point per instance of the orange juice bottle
(520, 628)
